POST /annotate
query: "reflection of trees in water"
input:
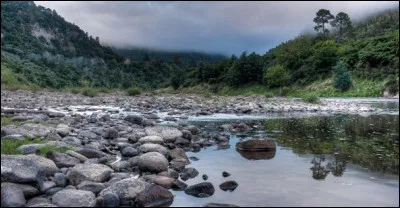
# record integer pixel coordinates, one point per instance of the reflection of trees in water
(370, 142)
(338, 166)
(319, 171)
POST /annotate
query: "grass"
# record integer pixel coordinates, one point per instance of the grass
(323, 88)
(11, 81)
(88, 91)
(9, 147)
(7, 121)
(134, 91)
(310, 98)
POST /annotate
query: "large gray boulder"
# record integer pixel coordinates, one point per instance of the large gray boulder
(12, 195)
(88, 134)
(74, 198)
(62, 160)
(144, 148)
(111, 133)
(126, 189)
(91, 153)
(256, 145)
(88, 172)
(26, 168)
(72, 141)
(154, 196)
(91, 186)
(28, 130)
(153, 162)
(135, 119)
(151, 139)
(63, 130)
(169, 134)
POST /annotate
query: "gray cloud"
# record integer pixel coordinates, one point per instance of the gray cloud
(222, 27)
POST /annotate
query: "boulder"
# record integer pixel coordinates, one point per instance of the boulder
(74, 198)
(154, 196)
(178, 153)
(26, 168)
(91, 153)
(151, 139)
(169, 134)
(201, 190)
(126, 190)
(12, 195)
(153, 162)
(189, 173)
(129, 152)
(72, 141)
(111, 133)
(134, 119)
(228, 186)
(60, 179)
(62, 160)
(88, 172)
(91, 186)
(144, 148)
(256, 145)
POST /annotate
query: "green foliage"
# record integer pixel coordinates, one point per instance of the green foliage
(392, 84)
(7, 121)
(90, 92)
(323, 17)
(343, 23)
(134, 91)
(277, 76)
(341, 76)
(9, 147)
(310, 99)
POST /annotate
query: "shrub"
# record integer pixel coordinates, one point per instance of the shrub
(134, 91)
(310, 99)
(341, 76)
(90, 92)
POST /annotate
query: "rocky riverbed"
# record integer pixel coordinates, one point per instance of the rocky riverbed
(120, 153)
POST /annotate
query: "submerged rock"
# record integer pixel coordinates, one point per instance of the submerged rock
(201, 190)
(256, 145)
(229, 186)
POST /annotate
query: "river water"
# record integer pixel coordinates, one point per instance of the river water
(321, 160)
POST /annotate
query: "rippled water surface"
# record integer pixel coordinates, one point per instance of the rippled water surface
(340, 160)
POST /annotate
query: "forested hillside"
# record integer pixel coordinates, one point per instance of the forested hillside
(38, 47)
(367, 50)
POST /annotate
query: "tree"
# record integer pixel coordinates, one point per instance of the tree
(343, 23)
(341, 76)
(323, 17)
(277, 76)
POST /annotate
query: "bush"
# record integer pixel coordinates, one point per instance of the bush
(341, 76)
(310, 99)
(90, 92)
(269, 95)
(134, 91)
(392, 85)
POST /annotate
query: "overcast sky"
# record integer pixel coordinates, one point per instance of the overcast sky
(220, 27)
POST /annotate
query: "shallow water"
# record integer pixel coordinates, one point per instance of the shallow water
(341, 160)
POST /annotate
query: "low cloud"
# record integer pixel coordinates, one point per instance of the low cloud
(218, 27)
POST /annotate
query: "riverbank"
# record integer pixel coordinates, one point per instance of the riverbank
(86, 151)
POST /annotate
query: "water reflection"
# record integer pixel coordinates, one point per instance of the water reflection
(260, 155)
(319, 171)
(371, 142)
